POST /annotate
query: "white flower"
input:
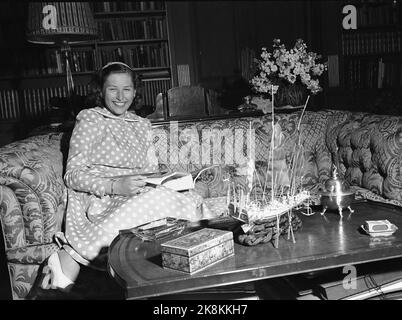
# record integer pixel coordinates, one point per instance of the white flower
(292, 78)
(294, 65)
(305, 77)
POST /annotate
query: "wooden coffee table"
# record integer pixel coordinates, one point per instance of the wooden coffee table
(324, 242)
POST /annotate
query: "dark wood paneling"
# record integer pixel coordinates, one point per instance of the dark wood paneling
(220, 30)
(180, 17)
(217, 52)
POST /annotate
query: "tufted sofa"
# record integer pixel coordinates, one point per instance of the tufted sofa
(365, 147)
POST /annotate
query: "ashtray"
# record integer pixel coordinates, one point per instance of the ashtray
(386, 233)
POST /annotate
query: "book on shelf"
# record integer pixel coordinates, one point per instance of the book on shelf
(362, 43)
(333, 71)
(112, 6)
(31, 102)
(106, 6)
(381, 69)
(154, 85)
(131, 28)
(382, 14)
(152, 74)
(369, 72)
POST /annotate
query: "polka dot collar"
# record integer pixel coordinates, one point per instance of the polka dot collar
(106, 113)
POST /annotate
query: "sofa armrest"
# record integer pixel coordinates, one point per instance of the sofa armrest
(16, 240)
(31, 170)
(391, 158)
(368, 149)
(11, 219)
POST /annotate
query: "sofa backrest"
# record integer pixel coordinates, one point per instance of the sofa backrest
(365, 147)
(195, 145)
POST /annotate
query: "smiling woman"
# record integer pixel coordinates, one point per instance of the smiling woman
(109, 157)
(118, 93)
(116, 81)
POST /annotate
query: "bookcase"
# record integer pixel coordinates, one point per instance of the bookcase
(134, 32)
(370, 56)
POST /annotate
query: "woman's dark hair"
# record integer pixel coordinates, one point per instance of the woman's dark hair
(94, 98)
(114, 67)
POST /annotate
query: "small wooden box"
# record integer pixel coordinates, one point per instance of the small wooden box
(197, 250)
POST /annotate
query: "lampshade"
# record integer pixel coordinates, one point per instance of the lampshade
(60, 22)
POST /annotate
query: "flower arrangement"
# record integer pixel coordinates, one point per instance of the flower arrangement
(294, 68)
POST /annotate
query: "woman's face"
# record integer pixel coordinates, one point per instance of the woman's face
(118, 93)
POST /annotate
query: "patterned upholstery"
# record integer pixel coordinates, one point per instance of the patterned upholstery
(192, 154)
(367, 148)
(31, 205)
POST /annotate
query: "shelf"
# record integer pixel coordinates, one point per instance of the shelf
(371, 90)
(117, 14)
(371, 3)
(41, 76)
(374, 28)
(128, 42)
(77, 74)
(93, 44)
(154, 73)
(151, 68)
(373, 55)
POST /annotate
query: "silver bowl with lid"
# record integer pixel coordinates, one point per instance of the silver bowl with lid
(337, 195)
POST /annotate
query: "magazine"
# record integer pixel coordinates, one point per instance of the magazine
(178, 181)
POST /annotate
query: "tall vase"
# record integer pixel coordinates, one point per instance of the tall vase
(290, 94)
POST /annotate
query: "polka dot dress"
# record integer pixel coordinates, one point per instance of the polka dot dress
(101, 147)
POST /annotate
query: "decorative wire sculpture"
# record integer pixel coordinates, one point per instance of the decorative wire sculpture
(253, 207)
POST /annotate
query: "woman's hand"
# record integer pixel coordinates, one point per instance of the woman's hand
(128, 186)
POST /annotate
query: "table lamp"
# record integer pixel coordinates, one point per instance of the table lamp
(61, 23)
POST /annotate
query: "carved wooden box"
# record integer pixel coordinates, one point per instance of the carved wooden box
(197, 250)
